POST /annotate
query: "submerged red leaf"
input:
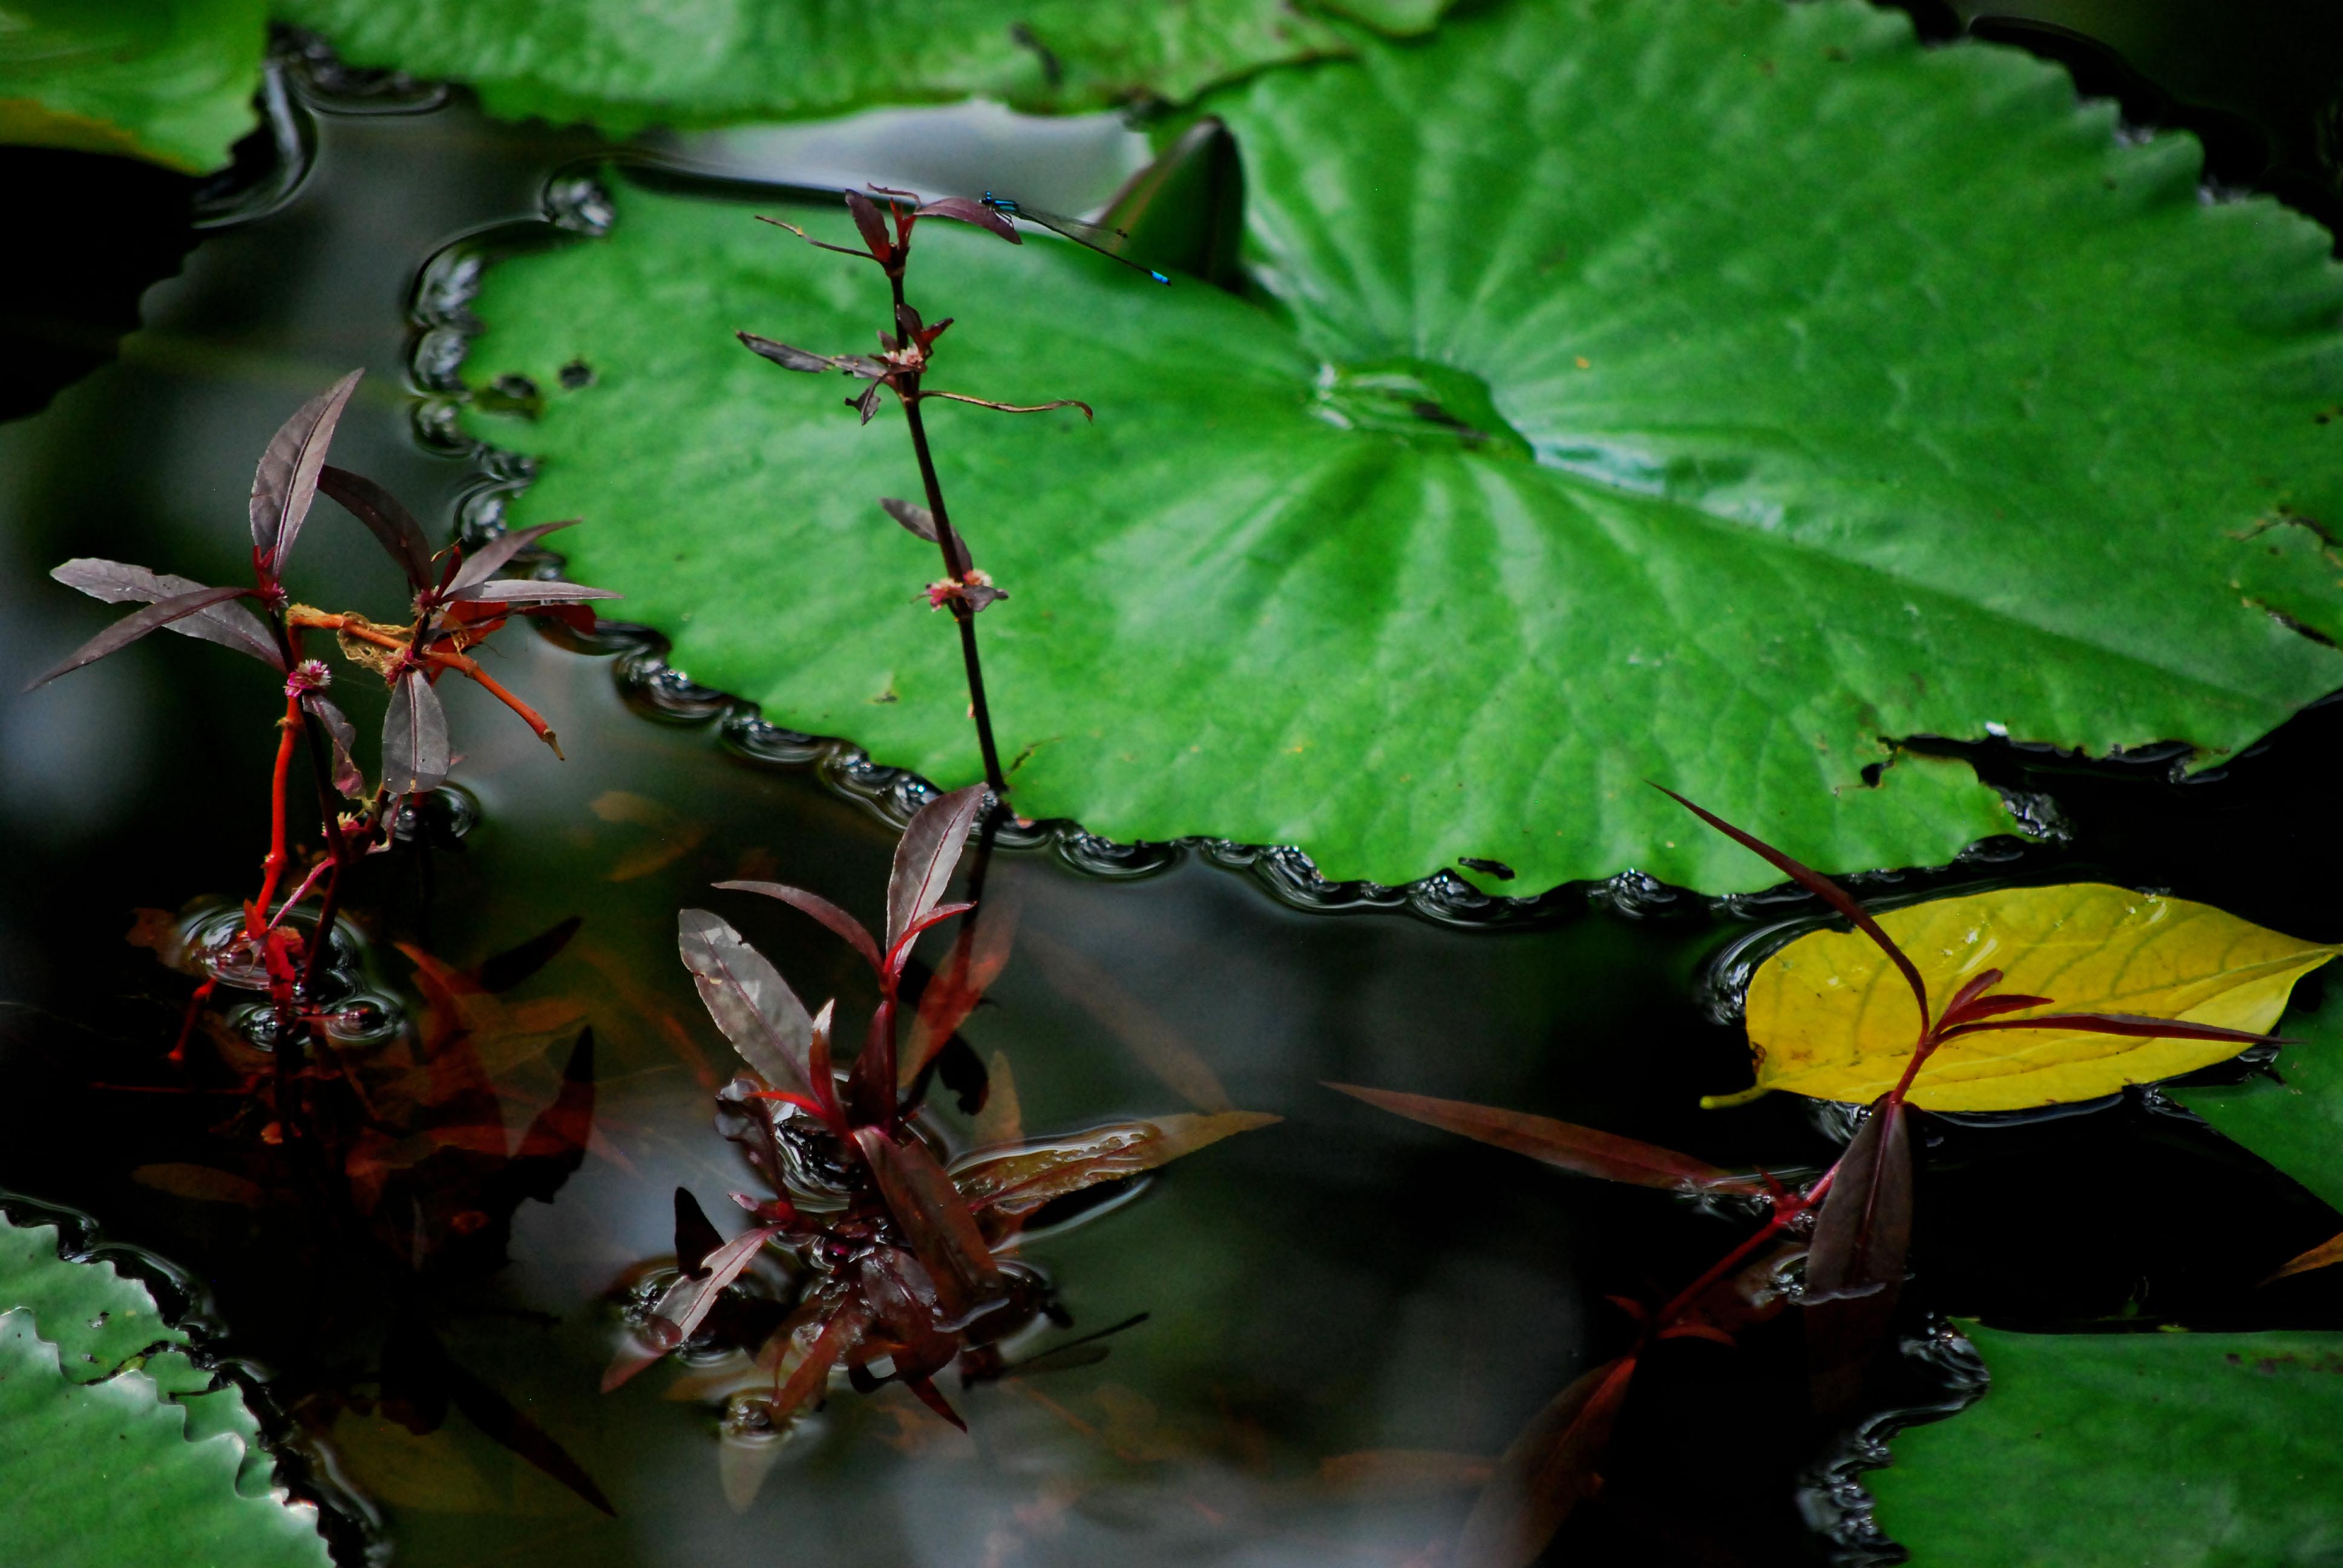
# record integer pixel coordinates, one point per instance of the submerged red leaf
(979, 955)
(1580, 1148)
(935, 1221)
(1546, 1472)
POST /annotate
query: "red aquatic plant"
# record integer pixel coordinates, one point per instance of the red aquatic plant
(905, 1257)
(457, 603)
(907, 351)
(1853, 1225)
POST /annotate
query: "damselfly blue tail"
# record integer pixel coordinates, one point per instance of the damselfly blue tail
(1097, 237)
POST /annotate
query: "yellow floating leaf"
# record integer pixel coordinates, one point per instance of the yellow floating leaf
(1829, 1016)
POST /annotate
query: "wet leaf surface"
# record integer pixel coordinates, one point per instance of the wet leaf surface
(621, 68)
(1829, 1017)
(171, 81)
(1663, 422)
(2216, 1450)
(105, 1454)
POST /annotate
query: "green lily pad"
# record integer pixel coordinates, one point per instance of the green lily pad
(170, 81)
(2146, 1450)
(2297, 1124)
(1696, 393)
(622, 64)
(113, 1451)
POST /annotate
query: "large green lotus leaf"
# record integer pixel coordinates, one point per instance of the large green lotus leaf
(1696, 393)
(171, 81)
(2130, 1451)
(623, 64)
(2297, 1124)
(110, 1455)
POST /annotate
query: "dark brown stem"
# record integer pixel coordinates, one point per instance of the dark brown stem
(956, 565)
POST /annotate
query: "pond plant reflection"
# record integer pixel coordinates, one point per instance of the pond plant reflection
(902, 1257)
(1851, 1227)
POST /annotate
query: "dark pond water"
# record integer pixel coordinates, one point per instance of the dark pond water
(1347, 1314)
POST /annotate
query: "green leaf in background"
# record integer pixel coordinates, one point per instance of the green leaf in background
(110, 1455)
(2296, 1125)
(622, 65)
(170, 81)
(2129, 1451)
(1696, 393)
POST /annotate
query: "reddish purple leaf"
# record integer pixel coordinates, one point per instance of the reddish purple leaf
(818, 1070)
(415, 755)
(1986, 1007)
(936, 1221)
(901, 953)
(822, 909)
(981, 597)
(1016, 1180)
(1546, 1472)
(133, 626)
(748, 999)
(1978, 984)
(342, 735)
(1823, 888)
(2119, 1023)
(285, 481)
(1579, 1149)
(229, 624)
(390, 522)
(1855, 1268)
(838, 1336)
(867, 404)
(531, 590)
(912, 516)
(689, 1301)
(925, 857)
(786, 357)
(873, 225)
(492, 556)
(961, 209)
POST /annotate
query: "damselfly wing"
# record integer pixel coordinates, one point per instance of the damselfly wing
(1097, 237)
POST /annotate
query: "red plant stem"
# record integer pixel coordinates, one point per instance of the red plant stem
(273, 867)
(956, 564)
(470, 668)
(1786, 1213)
